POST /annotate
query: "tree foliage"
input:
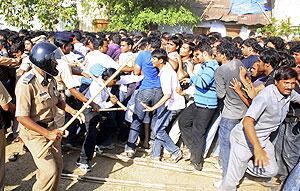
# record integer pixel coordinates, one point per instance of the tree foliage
(139, 15)
(282, 28)
(22, 13)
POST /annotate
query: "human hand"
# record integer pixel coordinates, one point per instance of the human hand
(54, 135)
(80, 117)
(243, 72)
(95, 107)
(261, 158)
(147, 108)
(250, 90)
(179, 91)
(113, 99)
(86, 75)
(236, 85)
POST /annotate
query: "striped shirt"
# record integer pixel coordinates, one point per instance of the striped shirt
(204, 81)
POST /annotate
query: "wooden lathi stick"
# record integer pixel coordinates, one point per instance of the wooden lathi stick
(108, 92)
(45, 148)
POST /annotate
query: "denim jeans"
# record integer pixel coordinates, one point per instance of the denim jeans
(293, 181)
(287, 148)
(148, 97)
(226, 125)
(162, 138)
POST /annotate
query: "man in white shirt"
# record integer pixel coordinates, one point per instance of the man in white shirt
(168, 106)
(93, 118)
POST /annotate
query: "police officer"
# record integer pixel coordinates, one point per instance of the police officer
(36, 101)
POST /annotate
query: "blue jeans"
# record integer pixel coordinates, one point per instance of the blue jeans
(226, 125)
(293, 181)
(148, 97)
(162, 138)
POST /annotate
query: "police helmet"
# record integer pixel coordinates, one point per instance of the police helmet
(42, 56)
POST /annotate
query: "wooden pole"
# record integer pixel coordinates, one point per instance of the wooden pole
(82, 109)
(110, 94)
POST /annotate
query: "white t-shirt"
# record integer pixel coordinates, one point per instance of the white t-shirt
(169, 82)
(100, 98)
(127, 57)
(97, 57)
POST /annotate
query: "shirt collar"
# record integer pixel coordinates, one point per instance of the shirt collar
(278, 95)
(39, 77)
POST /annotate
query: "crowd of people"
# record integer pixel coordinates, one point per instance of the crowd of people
(220, 96)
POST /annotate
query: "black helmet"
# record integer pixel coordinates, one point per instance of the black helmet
(42, 55)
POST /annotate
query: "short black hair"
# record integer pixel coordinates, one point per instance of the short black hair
(128, 40)
(270, 56)
(204, 47)
(176, 40)
(227, 49)
(277, 41)
(154, 41)
(285, 73)
(160, 54)
(251, 42)
(108, 72)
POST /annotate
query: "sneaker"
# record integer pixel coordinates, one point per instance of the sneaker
(98, 150)
(176, 158)
(129, 153)
(83, 167)
(109, 147)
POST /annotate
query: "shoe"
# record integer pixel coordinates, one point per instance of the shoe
(129, 154)
(198, 166)
(83, 167)
(176, 158)
(98, 150)
(109, 147)
(13, 157)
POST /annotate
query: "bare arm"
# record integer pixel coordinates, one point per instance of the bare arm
(158, 104)
(28, 123)
(261, 157)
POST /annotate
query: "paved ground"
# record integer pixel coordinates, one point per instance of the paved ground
(117, 175)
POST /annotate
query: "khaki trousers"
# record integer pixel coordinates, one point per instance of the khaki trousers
(2, 159)
(49, 165)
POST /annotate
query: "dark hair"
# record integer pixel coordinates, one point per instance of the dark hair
(285, 73)
(238, 41)
(108, 72)
(204, 47)
(166, 35)
(160, 54)
(98, 42)
(277, 41)
(191, 47)
(251, 42)
(116, 38)
(270, 56)
(128, 40)
(17, 47)
(227, 49)
(285, 59)
(154, 42)
(176, 40)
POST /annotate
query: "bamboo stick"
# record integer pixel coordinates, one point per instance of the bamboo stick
(82, 109)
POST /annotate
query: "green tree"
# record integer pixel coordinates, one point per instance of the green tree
(140, 15)
(21, 13)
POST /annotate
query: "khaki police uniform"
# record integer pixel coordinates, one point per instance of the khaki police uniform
(4, 99)
(65, 80)
(39, 103)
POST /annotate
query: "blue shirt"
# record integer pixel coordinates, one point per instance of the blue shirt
(151, 78)
(204, 81)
